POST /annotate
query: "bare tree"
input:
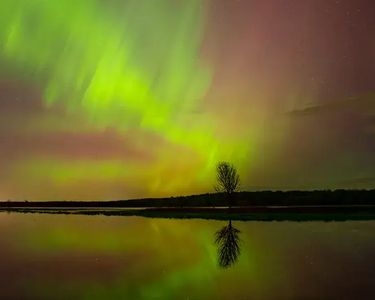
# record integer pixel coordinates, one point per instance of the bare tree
(228, 180)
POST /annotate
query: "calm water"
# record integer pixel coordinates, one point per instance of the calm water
(97, 257)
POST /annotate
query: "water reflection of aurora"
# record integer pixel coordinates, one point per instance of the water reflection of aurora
(48, 256)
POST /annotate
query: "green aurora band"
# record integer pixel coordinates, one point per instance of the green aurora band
(123, 64)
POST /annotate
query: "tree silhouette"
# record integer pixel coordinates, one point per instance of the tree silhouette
(228, 180)
(227, 240)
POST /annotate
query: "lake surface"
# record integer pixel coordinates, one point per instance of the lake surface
(47, 256)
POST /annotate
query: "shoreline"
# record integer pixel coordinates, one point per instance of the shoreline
(259, 213)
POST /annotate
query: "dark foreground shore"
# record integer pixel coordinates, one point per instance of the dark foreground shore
(258, 213)
(242, 199)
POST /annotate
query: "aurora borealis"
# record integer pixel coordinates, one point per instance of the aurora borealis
(113, 99)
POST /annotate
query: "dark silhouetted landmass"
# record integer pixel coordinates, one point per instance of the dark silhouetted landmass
(241, 199)
(338, 205)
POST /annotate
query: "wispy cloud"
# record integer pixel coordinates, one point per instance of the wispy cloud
(363, 104)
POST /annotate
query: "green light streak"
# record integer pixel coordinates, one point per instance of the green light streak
(124, 64)
(142, 60)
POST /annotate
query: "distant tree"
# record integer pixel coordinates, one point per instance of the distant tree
(228, 180)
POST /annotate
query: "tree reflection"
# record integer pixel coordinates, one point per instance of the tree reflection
(227, 240)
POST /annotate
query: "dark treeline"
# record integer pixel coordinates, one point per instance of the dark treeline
(265, 198)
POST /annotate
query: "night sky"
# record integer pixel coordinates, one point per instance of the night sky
(114, 99)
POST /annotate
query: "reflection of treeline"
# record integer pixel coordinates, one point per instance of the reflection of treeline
(265, 198)
(304, 213)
